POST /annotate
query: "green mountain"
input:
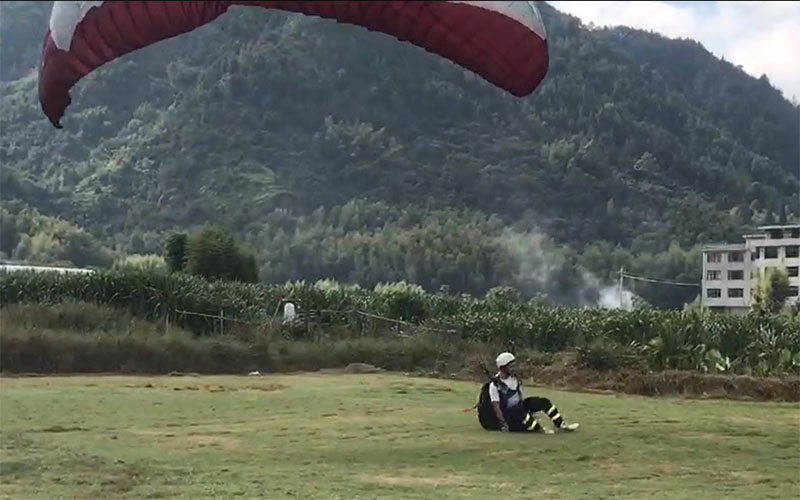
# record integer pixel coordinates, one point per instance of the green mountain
(334, 151)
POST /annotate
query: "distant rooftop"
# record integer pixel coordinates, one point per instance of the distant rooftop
(783, 226)
(27, 267)
(712, 247)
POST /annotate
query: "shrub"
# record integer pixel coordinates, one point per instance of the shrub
(401, 300)
(175, 252)
(603, 355)
(141, 262)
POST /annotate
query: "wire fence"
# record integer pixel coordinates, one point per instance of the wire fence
(308, 324)
(317, 323)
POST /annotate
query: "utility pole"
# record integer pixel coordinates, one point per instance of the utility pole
(621, 276)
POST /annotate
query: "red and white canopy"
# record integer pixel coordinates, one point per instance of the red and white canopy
(504, 42)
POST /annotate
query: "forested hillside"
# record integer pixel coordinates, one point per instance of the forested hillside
(337, 152)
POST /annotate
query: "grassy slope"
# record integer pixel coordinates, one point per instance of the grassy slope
(365, 436)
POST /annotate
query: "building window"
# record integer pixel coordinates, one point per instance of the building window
(714, 257)
(735, 293)
(792, 291)
(713, 293)
(792, 271)
(735, 275)
(736, 257)
(776, 234)
(795, 233)
(754, 256)
(713, 275)
(792, 252)
(771, 252)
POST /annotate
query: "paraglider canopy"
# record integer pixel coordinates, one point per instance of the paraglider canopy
(504, 42)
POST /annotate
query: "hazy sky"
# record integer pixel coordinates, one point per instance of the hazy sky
(762, 37)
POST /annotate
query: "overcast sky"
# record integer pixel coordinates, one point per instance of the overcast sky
(762, 37)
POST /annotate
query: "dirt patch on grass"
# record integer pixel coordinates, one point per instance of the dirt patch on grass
(503, 453)
(362, 368)
(266, 387)
(413, 480)
(146, 432)
(59, 428)
(130, 386)
(432, 481)
(260, 387)
(747, 476)
(207, 440)
(420, 388)
(182, 374)
(221, 439)
(352, 368)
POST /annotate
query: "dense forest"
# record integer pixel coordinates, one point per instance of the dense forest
(336, 152)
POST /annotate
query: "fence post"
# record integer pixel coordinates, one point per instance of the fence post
(319, 323)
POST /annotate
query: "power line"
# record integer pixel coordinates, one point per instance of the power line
(659, 281)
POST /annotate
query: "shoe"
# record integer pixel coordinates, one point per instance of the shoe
(570, 427)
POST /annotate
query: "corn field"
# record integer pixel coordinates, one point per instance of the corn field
(684, 340)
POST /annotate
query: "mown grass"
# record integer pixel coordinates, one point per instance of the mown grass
(377, 436)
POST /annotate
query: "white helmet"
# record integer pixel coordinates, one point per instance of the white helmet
(504, 358)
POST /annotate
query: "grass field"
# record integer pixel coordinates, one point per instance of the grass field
(375, 436)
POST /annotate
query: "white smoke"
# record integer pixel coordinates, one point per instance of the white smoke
(540, 267)
(608, 295)
(610, 298)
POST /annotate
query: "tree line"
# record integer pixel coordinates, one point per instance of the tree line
(370, 161)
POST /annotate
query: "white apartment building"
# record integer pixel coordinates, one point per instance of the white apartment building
(730, 271)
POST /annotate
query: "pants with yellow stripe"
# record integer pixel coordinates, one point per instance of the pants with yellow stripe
(533, 405)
